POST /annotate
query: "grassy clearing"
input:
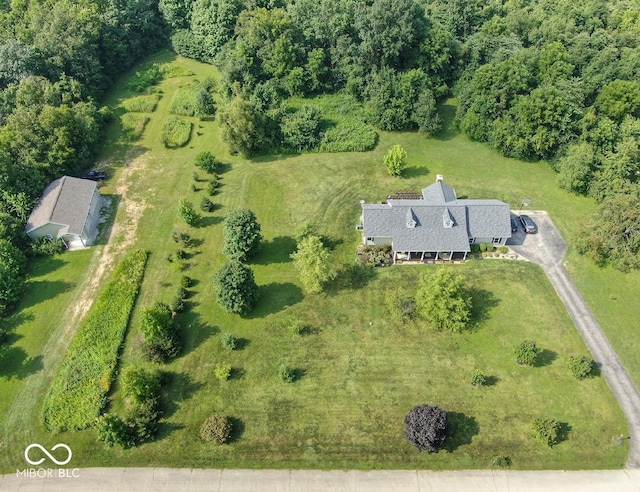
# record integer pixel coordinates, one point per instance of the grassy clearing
(141, 104)
(78, 393)
(193, 100)
(176, 132)
(133, 125)
(357, 380)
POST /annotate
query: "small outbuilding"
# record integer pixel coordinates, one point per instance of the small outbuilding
(69, 209)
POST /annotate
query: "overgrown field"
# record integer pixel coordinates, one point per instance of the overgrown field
(78, 394)
(360, 372)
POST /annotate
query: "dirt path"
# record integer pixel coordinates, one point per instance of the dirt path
(547, 248)
(22, 413)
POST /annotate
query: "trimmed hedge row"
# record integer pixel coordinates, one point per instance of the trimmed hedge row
(78, 393)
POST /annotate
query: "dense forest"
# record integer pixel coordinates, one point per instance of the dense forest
(549, 79)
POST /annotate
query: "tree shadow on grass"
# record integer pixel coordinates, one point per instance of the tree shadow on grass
(194, 332)
(545, 358)
(15, 363)
(482, 302)
(278, 250)
(177, 387)
(461, 431)
(274, 297)
(351, 276)
(237, 429)
(414, 172)
(46, 265)
(563, 431)
(210, 220)
(165, 429)
(491, 381)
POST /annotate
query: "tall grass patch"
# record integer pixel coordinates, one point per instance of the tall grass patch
(194, 100)
(78, 394)
(176, 132)
(133, 125)
(141, 104)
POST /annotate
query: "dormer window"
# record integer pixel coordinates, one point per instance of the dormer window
(411, 219)
(447, 220)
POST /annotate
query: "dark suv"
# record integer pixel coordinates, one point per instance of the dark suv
(528, 225)
(514, 225)
(94, 175)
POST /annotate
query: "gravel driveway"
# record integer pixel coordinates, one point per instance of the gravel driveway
(547, 248)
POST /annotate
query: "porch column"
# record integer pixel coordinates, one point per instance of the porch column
(422, 257)
(394, 257)
(465, 256)
(436, 255)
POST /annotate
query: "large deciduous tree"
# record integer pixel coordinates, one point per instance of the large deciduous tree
(313, 262)
(12, 265)
(242, 235)
(444, 301)
(235, 288)
(613, 235)
(426, 427)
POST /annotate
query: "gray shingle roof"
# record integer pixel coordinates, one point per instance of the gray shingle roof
(471, 218)
(439, 192)
(65, 201)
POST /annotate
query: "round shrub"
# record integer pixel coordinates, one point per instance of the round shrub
(185, 281)
(483, 247)
(526, 353)
(216, 428)
(287, 374)
(426, 427)
(581, 367)
(206, 205)
(229, 341)
(222, 371)
(545, 430)
(478, 378)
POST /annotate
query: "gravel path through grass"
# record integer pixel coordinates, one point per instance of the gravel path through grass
(548, 249)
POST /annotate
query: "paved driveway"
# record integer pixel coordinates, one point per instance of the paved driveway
(547, 248)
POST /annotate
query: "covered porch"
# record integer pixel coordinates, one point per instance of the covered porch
(423, 257)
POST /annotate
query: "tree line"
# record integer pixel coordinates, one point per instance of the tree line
(553, 80)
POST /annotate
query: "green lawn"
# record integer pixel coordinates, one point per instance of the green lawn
(359, 378)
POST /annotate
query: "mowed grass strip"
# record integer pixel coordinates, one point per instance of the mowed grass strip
(78, 393)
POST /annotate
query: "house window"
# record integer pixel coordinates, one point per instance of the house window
(471, 240)
(369, 239)
(497, 240)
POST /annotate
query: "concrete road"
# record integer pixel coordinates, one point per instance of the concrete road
(547, 248)
(187, 480)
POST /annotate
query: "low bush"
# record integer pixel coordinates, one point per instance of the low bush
(475, 248)
(187, 213)
(501, 461)
(206, 205)
(426, 427)
(47, 247)
(133, 125)
(212, 187)
(483, 247)
(581, 367)
(352, 137)
(177, 304)
(526, 353)
(503, 249)
(185, 281)
(478, 378)
(545, 431)
(145, 79)
(222, 371)
(176, 132)
(112, 430)
(139, 384)
(297, 327)
(141, 104)
(216, 428)
(229, 341)
(208, 163)
(375, 256)
(161, 341)
(78, 393)
(182, 238)
(287, 374)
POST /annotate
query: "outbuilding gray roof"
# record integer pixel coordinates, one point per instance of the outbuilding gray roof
(442, 222)
(65, 201)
